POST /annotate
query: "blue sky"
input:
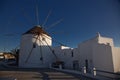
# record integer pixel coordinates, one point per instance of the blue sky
(82, 19)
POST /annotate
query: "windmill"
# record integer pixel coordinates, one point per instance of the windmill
(35, 48)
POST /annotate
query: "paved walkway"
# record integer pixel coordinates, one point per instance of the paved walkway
(39, 74)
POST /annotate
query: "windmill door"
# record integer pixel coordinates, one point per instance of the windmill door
(76, 64)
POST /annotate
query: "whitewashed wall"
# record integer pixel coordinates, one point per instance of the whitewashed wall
(102, 57)
(86, 52)
(105, 40)
(65, 55)
(116, 58)
(34, 59)
(100, 53)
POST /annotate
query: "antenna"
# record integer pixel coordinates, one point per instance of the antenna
(37, 15)
(46, 19)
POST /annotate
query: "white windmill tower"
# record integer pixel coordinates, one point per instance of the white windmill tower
(35, 48)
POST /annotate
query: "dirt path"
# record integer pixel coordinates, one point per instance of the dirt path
(38, 74)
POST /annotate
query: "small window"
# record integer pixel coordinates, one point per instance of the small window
(64, 53)
(43, 39)
(72, 54)
(41, 58)
(34, 45)
(53, 51)
(108, 44)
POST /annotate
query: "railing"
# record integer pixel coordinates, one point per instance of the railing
(102, 74)
(107, 74)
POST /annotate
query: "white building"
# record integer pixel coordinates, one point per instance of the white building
(34, 49)
(69, 56)
(98, 52)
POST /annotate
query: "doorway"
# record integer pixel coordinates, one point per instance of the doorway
(86, 65)
(76, 64)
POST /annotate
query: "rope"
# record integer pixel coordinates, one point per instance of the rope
(31, 50)
(41, 58)
(51, 49)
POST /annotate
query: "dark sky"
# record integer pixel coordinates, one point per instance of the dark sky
(82, 19)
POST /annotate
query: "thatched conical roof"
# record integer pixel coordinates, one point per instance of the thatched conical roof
(36, 30)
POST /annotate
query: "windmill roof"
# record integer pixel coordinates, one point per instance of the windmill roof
(36, 30)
